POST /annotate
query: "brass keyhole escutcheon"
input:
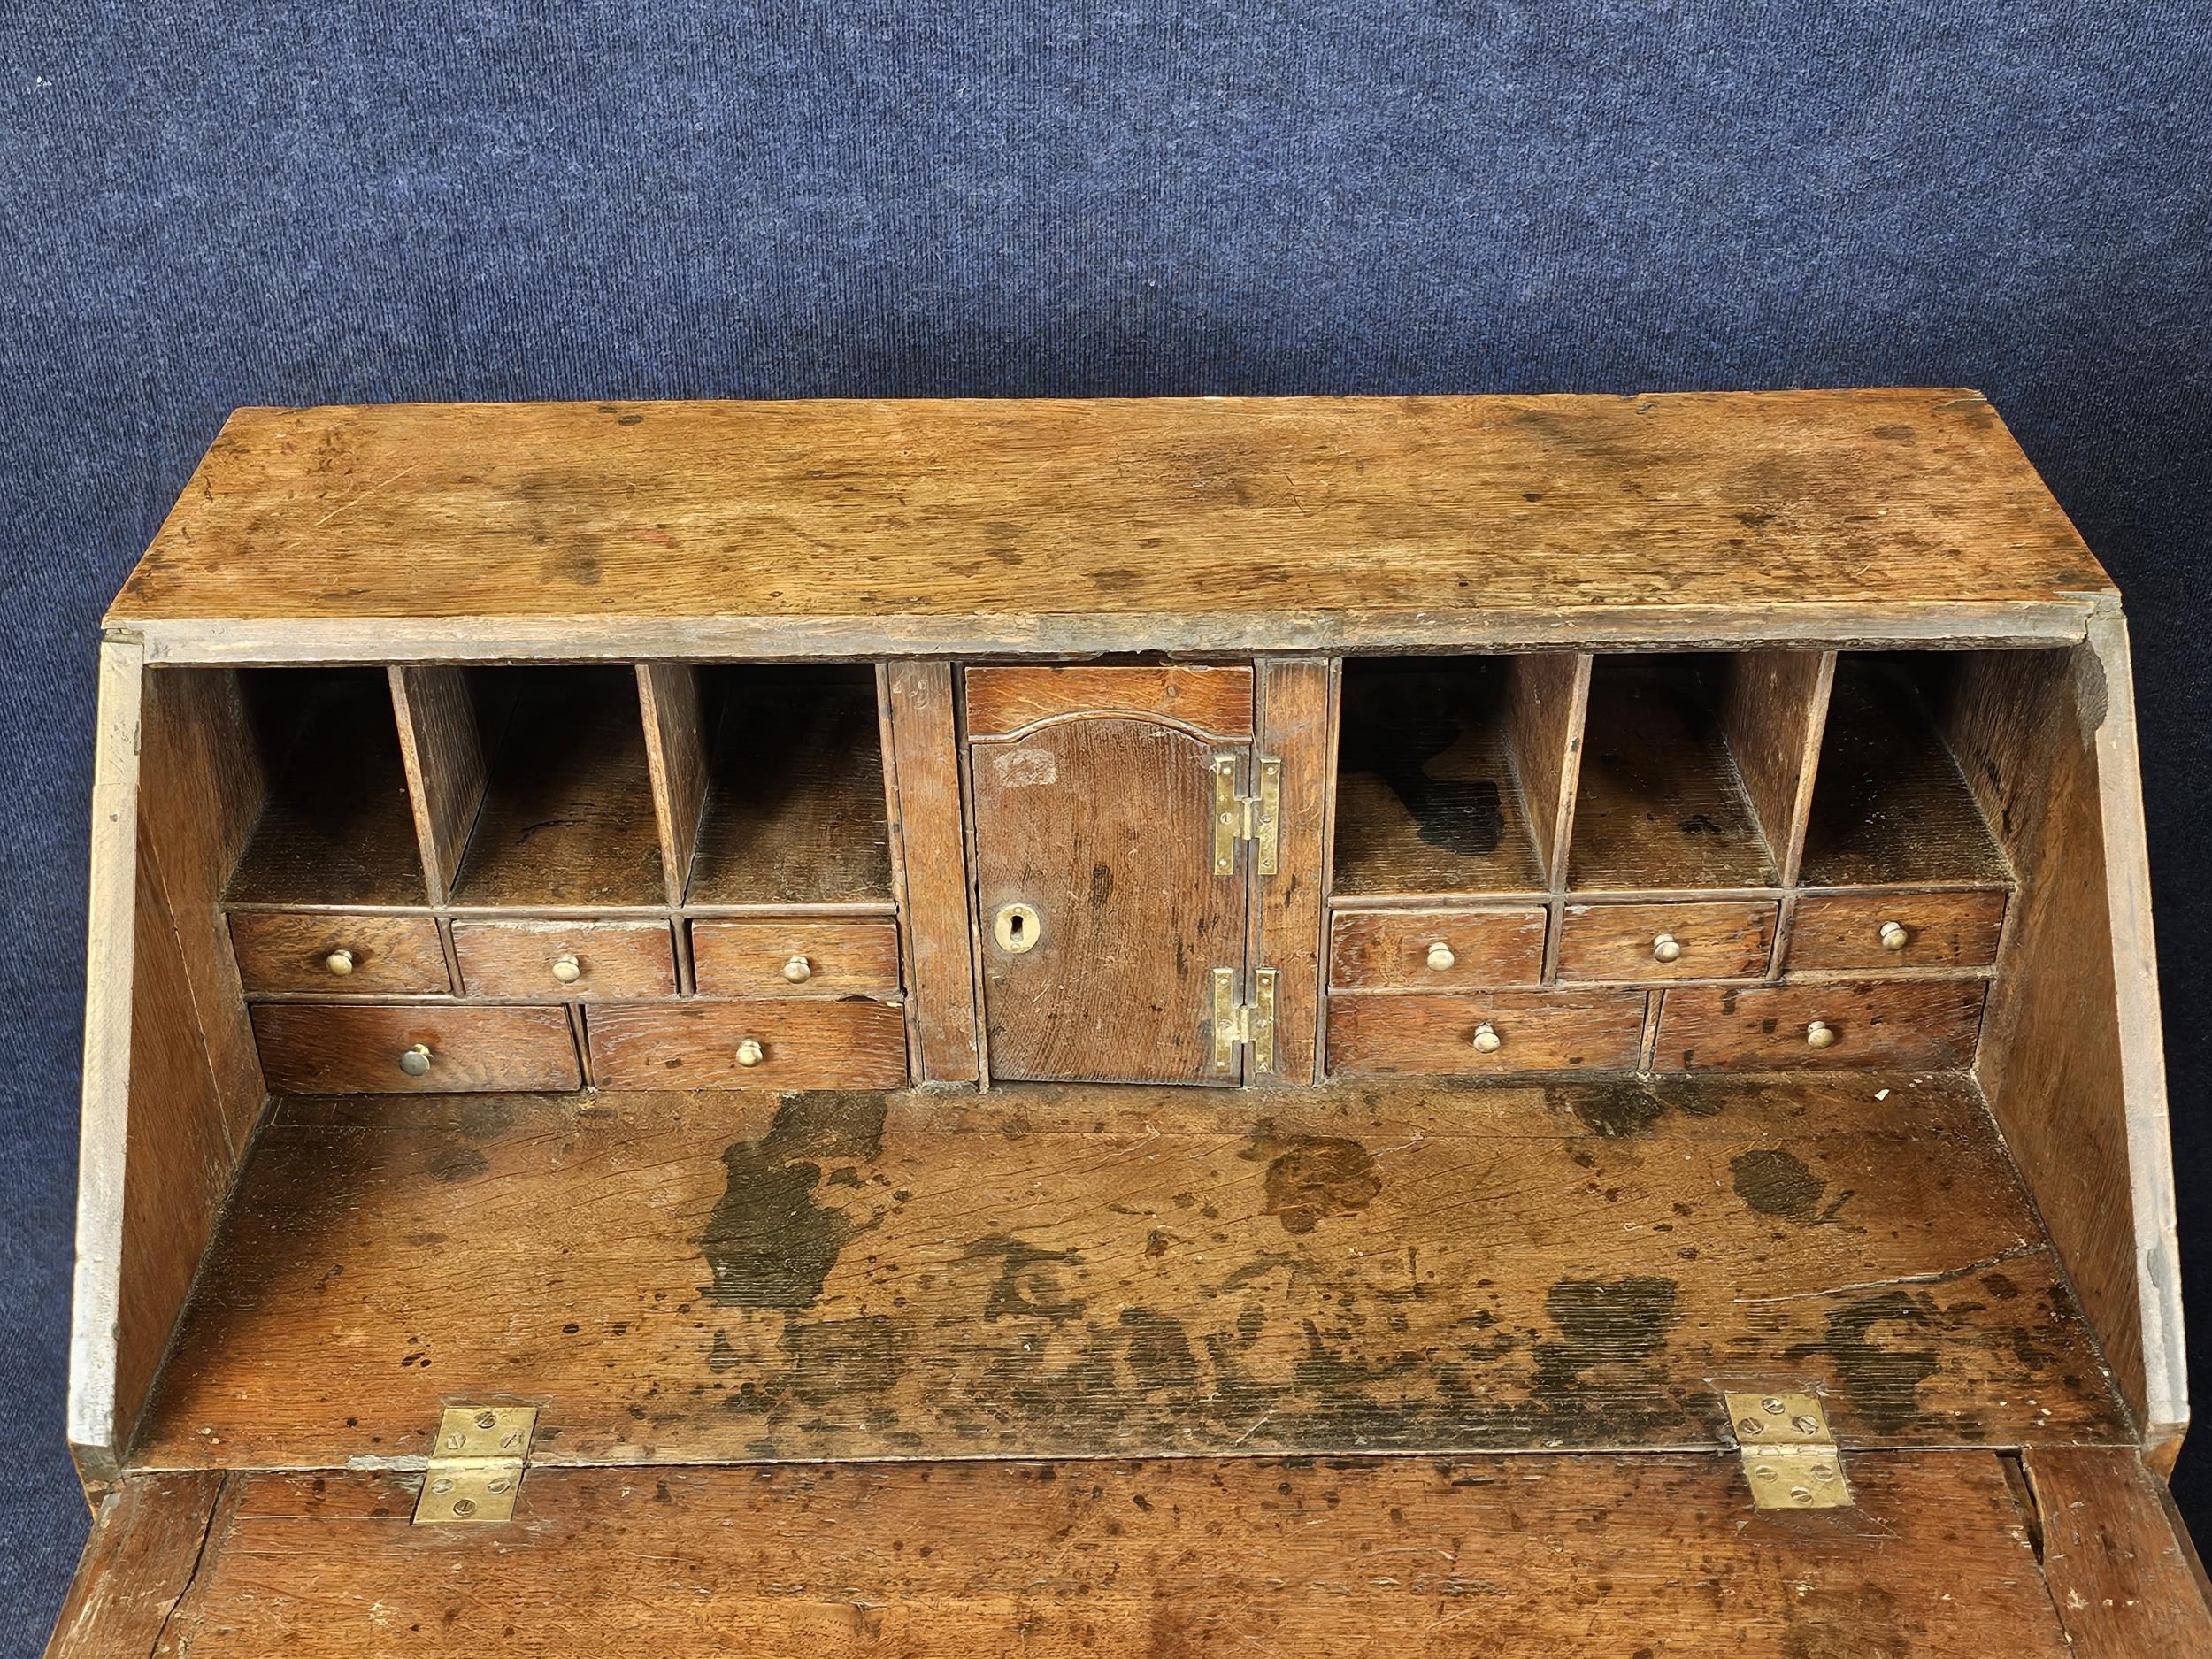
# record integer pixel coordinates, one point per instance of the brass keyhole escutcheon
(1016, 929)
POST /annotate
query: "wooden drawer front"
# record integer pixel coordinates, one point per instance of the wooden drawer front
(386, 956)
(795, 958)
(1722, 940)
(1906, 1026)
(1537, 1031)
(1396, 950)
(816, 1044)
(1941, 930)
(529, 959)
(311, 1049)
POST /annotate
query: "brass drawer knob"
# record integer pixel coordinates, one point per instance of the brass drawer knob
(750, 1053)
(1487, 1039)
(798, 970)
(1895, 936)
(340, 961)
(416, 1061)
(1440, 956)
(1666, 947)
(567, 970)
(1819, 1034)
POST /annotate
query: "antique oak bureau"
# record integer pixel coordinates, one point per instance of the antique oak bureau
(1462, 1025)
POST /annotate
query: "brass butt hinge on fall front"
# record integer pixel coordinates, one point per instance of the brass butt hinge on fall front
(1251, 1023)
(476, 1465)
(1246, 818)
(1789, 1456)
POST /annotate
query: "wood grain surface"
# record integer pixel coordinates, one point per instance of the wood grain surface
(1297, 726)
(930, 836)
(794, 805)
(1843, 931)
(1388, 950)
(1546, 698)
(613, 958)
(1216, 700)
(830, 528)
(675, 726)
(1584, 1557)
(806, 1042)
(1104, 828)
(1537, 1031)
(145, 1549)
(843, 958)
(289, 951)
(2124, 1575)
(315, 1048)
(1727, 938)
(1062, 1271)
(1660, 803)
(1774, 707)
(1921, 1025)
(443, 749)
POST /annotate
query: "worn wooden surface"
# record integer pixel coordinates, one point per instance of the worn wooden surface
(311, 1049)
(2122, 1572)
(1297, 726)
(1104, 828)
(1660, 804)
(443, 751)
(1546, 697)
(1388, 950)
(1923, 1024)
(826, 528)
(674, 719)
(2080, 1095)
(289, 951)
(1537, 1031)
(1720, 939)
(806, 1042)
(1774, 708)
(1842, 931)
(144, 1550)
(795, 811)
(1216, 700)
(614, 958)
(1053, 1272)
(843, 957)
(1592, 1557)
(1890, 806)
(568, 807)
(336, 827)
(930, 839)
(1427, 797)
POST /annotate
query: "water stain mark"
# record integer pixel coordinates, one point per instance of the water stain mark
(1311, 1178)
(769, 1244)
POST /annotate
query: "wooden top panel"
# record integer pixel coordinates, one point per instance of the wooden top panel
(1089, 1272)
(772, 528)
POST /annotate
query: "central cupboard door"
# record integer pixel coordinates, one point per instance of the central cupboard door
(1103, 905)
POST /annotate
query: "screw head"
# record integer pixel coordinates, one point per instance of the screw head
(487, 1419)
(463, 1507)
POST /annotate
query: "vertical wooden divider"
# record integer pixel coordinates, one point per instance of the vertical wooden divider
(930, 858)
(1546, 700)
(443, 754)
(1774, 713)
(674, 714)
(1296, 720)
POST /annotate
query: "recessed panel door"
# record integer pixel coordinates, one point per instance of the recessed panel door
(1105, 908)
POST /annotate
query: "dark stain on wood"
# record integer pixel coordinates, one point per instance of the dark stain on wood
(1027, 1283)
(1312, 1177)
(769, 1244)
(1620, 1110)
(1604, 1322)
(1775, 1182)
(1883, 1374)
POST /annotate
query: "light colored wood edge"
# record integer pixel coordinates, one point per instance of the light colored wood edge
(2142, 1048)
(149, 1538)
(1046, 636)
(443, 755)
(676, 759)
(925, 791)
(103, 1136)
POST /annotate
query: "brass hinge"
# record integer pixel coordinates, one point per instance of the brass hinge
(1246, 818)
(1250, 1023)
(1788, 1454)
(476, 1466)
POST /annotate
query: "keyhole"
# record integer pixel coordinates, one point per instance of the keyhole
(1015, 927)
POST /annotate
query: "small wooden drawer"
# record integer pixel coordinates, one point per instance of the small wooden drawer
(1687, 939)
(1853, 931)
(795, 958)
(565, 958)
(339, 952)
(362, 1048)
(1896, 1025)
(1535, 1030)
(1435, 949)
(793, 1044)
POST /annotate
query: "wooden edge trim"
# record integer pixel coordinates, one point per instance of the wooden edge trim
(1013, 699)
(675, 762)
(1792, 854)
(103, 1135)
(2118, 1563)
(925, 793)
(382, 639)
(445, 777)
(148, 1540)
(1577, 719)
(2142, 1050)
(887, 741)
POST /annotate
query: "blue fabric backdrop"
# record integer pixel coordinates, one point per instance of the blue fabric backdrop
(208, 205)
